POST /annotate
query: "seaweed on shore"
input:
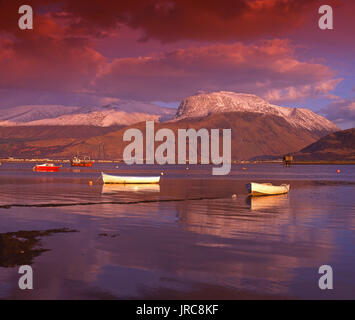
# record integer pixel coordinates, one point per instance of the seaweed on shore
(21, 247)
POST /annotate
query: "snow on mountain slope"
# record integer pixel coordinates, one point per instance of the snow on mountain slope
(35, 112)
(96, 118)
(122, 113)
(206, 103)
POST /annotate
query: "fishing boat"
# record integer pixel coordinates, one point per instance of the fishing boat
(77, 162)
(46, 167)
(257, 189)
(107, 178)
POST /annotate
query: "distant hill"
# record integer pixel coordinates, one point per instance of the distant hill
(339, 145)
(45, 141)
(253, 135)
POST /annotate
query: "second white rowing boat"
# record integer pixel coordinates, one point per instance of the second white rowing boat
(256, 189)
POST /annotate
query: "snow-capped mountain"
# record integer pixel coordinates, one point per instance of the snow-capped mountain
(127, 112)
(259, 129)
(216, 102)
(123, 113)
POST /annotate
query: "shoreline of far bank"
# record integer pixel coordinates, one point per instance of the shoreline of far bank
(280, 161)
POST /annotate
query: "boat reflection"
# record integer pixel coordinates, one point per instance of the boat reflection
(114, 188)
(267, 202)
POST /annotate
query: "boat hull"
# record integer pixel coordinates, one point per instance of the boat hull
(46, 169)
(82, 164)
(262, 189)
(129, 179)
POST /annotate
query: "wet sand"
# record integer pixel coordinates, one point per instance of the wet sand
(185, 239)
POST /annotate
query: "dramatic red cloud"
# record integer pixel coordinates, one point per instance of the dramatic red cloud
(45, 58)
(256, 68)
(268, 68)
(88, 49)
(51, 58)
(171, 20)
(48, 64)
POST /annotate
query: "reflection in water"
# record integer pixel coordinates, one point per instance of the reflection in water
(21, 247)
(140, 242)
(268, 202)
(257, 248)
(114, 188)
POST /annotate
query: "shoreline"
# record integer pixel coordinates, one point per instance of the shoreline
(297, 162)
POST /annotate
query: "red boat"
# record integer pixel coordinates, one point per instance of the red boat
(77, 162)
(46, 167)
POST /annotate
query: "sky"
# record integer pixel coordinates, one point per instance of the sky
(98, 52)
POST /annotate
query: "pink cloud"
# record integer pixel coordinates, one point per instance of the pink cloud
(51, 60)
(319, 89)
(262, 68)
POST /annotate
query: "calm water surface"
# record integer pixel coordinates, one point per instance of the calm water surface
(185, 238)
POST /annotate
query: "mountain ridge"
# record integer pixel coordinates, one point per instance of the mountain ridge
(218, 102)
(127, 112)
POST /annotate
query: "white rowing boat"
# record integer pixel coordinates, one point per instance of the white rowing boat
(107, 178)
(257, 189)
